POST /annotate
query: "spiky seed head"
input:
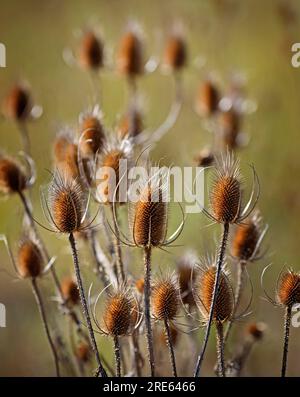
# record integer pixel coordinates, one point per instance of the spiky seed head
(93, 136)
(225, 197)
(288, 291)
(131, 124)
(12, 176)
(111, 168)
(256, 330)
(91, 51)
(83, 352)
(165, 299)
(245, 239)
(70, 291)
(149, 223)
(224, 302)
(139, 284)
(67, 204)
(173, 333)
(29, 259)
(175, 52)
(230, 128)
(17, 104)
(130, 54)
(207, 99)
(118, 314)
(60, 144)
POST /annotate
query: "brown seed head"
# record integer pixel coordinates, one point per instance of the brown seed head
(256, 330)
(93, 136)
(186, 276)
(288, 292)
(139, 284)
(17, 104)
(91, 51)
(130, 57)
(131, 124)
(118, 314)
(175, 52)
(83, 352)
(207, 99)
(165, 299)
(70, 291)
(29, 259)
(245, 240)
(230, 128)
(205, 158)
(12, 176)
(224, 303)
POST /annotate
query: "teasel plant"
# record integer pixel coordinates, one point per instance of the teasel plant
(165, 307)
(148, 223)
(227, 209)
(223, 311)
(65, 208)
(29, 265)
(287, 295)
(246, 249)
(19, 107)
(120, 317)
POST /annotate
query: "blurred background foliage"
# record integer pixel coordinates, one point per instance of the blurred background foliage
(251, 37)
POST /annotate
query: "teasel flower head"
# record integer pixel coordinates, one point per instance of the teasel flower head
(130, 57)
(14, 177)
(207, 99)
(247, 239)
(165, 298)
(175, 54)
(83, 352)
(91, 51)
(92, 135)
(229, 125)
(65, 153)
(70, 291)
(226, 202)
(131, 124)
(288, 288)
(186, 276)
(203, 293)
(65, 204)
(29, 259)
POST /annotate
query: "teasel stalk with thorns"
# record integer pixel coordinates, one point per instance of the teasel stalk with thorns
(287, 295)
(148, 221)
(165, 305)
(227, 209)
(224, 304)
(66, 208)
(246, 248)
(29, 265)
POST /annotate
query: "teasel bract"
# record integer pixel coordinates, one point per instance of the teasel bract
(227, 208)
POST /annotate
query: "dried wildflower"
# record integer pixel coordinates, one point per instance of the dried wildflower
(229, 122)
(70, 291)
(29, 259)
(186, 277)
(175, 52)
(165, 299)
(131, 124)
(205, 158)
(91, 51)
(12, 176)
(207, 99)
(65, 153)
(288, 290)
(92, 135)
(130, 54)
(18, 103)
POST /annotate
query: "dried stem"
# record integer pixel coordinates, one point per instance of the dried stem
(170, 347)
(117, 249)
(147, 292)
(85, 306)
(117, 356)
(25, 138)
(220, 349)
(220, 261)
(287, 324)
(40, 304)
(136, 354)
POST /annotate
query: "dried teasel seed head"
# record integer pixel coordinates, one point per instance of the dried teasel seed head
(67, 204)
(17, 104)
(29, 259)
(225, 198)
(91, 51)
(70, 291)
(65, 153)
(130, 54)
(165, 299)
(186, 276)
(131, 124)
(139, 285)
(12, 176)
(256, 331)
(207, 100)
(224, 302)
(93, 136)
(149, 223)
(173, 333)
(288, 291)
(175, 52)
(230, 128)
(205, 158)
(118, 314)
(83, 352)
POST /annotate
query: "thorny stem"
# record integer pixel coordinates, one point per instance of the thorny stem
(287, 324)
(220, 261)
(85, 306)
(220, 349)
(41, 308)
(117, 356)
(117, 249)
(170, 347)
(25, 138)
(147, 292)
(237, 297)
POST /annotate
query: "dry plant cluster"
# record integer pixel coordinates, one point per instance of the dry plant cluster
(158, 314)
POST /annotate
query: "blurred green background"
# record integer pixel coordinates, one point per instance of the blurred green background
(249, 36)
